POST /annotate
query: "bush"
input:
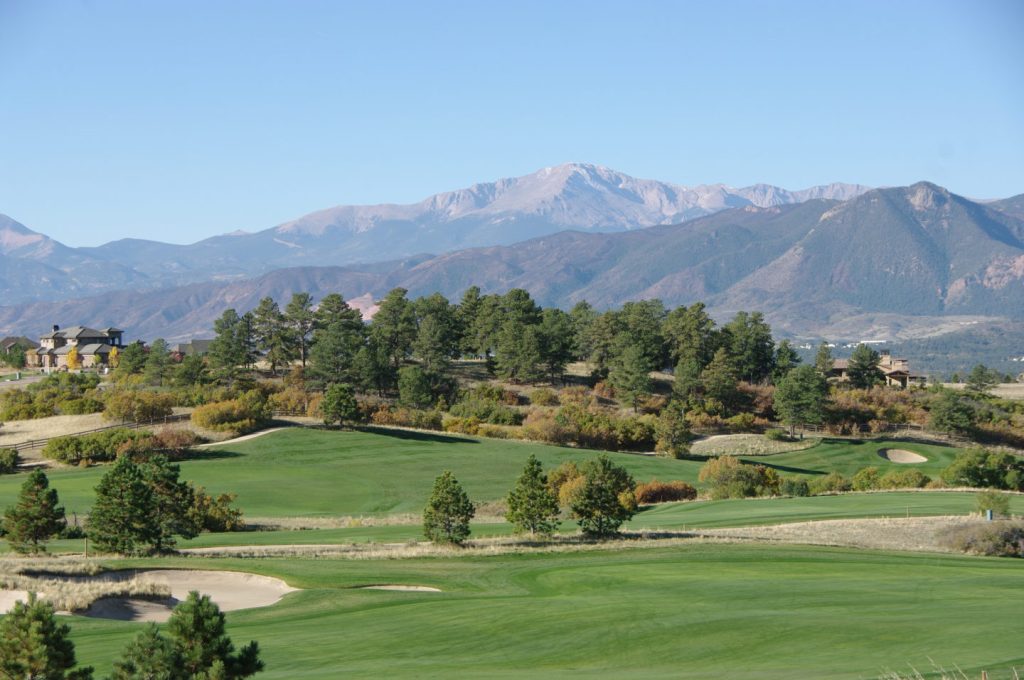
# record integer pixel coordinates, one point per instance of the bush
(485, 410)
(833, 482)
(728, 477)
(741, 422)
(664, 492)
(904, 479)
(998, 503)
(248, 412)
(1000, 539)
(795, 487)
(99, 446)
(981, 468)
(215, 514)
(777, 435)
(61, 393)
(407, 417)
(543, 396)
(542, 426)
(9, 460)
(866, 479)
(138, 406)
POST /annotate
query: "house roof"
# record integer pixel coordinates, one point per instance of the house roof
(94, 348)
(75, 332)
(12, 340)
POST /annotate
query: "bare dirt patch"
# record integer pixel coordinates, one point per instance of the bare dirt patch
(902, 456)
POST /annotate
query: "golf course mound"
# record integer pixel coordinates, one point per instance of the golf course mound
(401, 588)
(902, 456)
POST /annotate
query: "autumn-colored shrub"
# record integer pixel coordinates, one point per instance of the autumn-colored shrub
(542, 396)
(728, 477)
(98, 446)
(401, 416)
(664, 492)
(248, 412)
(904, 479)
(542, 426)
(833, 482)
(138, 406)
(1001, 539)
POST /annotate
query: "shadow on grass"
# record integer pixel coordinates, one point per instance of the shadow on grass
(414, 435)
(208, 454)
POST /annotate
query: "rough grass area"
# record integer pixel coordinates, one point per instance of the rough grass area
(72, 584)
(747, 445)
(689, 611)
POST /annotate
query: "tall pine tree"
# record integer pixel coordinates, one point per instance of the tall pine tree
(36, 517)
(532, 507)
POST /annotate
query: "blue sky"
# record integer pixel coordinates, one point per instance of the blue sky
(180, 120)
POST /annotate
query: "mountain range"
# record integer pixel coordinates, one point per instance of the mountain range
(900, 262)
(577, 196)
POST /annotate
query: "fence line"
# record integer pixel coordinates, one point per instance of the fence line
(41, 443)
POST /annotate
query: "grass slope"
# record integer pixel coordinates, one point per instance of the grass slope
(299, 472)
(697, 611)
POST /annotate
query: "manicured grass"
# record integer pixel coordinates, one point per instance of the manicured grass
(696, 611)
(757, 511)
(300, 472)
(847, 456)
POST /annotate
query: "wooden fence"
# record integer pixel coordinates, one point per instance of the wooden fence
(39, 444)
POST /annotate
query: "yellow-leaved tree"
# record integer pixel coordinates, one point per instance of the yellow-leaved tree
(74, 363)
(114, 358)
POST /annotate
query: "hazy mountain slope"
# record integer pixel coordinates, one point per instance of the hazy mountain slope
(1013, 206)
(34, 266)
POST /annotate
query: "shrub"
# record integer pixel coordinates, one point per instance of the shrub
(486, 410)
(728, 477)
(741, 422)
(833, 482)
(407, 417)
(1001, 539)
(561, 475)
(469, 425)
(777, 435)
(794, 487)
(248, 412)
(664, 492)
(980, 468)
(99, 446)
(499, 431)
(866, 479)
(543, 396)
(904, 479)
(137, 406)
(998, 503)
(542, 426)
(214, 513)
(9, 460)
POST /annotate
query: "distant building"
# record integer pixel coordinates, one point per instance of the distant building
(184, 349)
(896, 371)
(12, 342)
(93, 347)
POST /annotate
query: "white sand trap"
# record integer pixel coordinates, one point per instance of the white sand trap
(9, 597)
(407, 589)
(902, 456)
(230, 590)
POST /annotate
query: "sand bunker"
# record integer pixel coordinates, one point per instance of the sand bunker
(230, 590)
(9, 597)
(408, 589)
(902, 456)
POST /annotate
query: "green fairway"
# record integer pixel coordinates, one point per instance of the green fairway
(301, 472)
(695, 611)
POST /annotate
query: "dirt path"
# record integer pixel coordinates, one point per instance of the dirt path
(243, 438)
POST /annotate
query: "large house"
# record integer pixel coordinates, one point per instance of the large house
(895, 371)
(93, 347)
(13, 343)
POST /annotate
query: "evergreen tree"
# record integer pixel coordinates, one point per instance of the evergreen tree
(686, 380)
(518, 353)
(750, 345)
(415, 388)
(800, 397)
(556, 342)
(823, 360)
(339, 405)
(719, 380)
(602, 336)
(191, 371)
(448, 512)
(981, 380)
(672, 431)
(630, 375)
(690, 336)
(332, 358)
(394, 327)
(605, 499)
(333, 309)
(372, 369)
(300, 320)
(466, 313)
(150, 656)
(36, 517)
(123, 518)
(197, 629)
(786, 359)
(581, 316)
(158, 363)
(33, 646)
(434, 344)
(227, 351)
(483, 334)
(641, 328)
(271, 333)
(952, 412)
(132, 360)
(172, 500)
(532, 507)
(862, 369)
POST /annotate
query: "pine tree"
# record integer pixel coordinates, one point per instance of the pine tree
(719, 380)
(531, 505)
(300, 320)
(631, 374)
(605, 500)
(786, 359)
(36, 518)
(823, 360)
(150, 656)
(448, 512)
(800, 397)
(672, 431)
(394, 326)
(271, 333)
(339, 405)
(197, 630)
(862, 369)
(158, 362)
(172, 501)
(34, 646)
(123, 518)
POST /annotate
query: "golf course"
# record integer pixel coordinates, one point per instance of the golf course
(677, 605)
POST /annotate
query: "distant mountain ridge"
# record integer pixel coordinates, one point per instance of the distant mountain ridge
(907, 262)
(576, 196)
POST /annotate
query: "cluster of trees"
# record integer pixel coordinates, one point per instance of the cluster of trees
(33, 644)
(600, 496)
(140, 508)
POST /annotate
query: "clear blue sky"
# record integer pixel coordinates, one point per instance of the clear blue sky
(179, 120)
